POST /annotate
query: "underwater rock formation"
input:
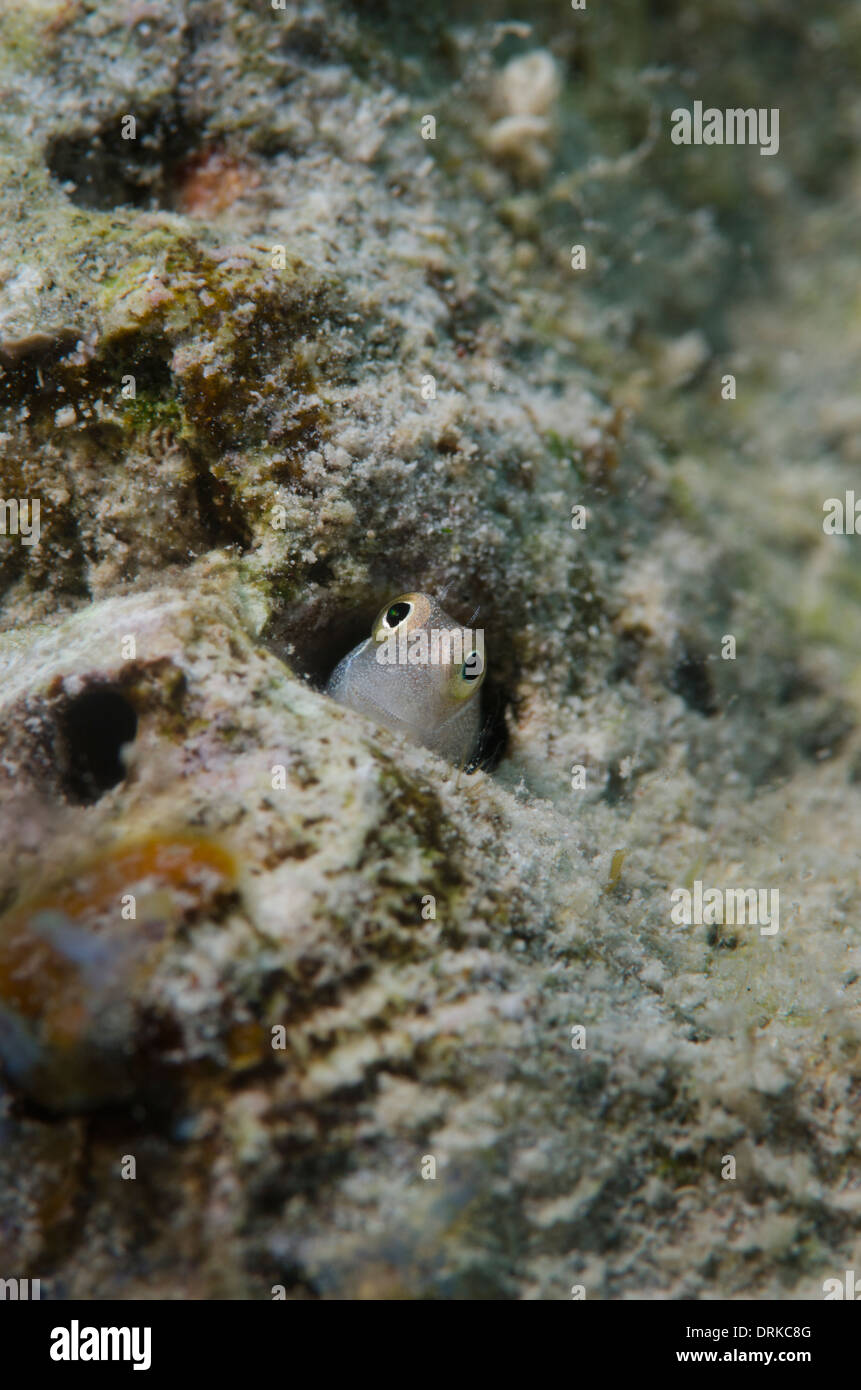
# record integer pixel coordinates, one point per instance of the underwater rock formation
(282, 348)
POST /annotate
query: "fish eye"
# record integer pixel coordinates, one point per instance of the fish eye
(397, 614)
(473, 667)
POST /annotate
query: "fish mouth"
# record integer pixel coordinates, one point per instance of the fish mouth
(391, 715)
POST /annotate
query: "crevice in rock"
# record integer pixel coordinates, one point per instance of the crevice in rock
(219, 510)
(314, 639)
(102, 170)
(92, 731)
(692, 679)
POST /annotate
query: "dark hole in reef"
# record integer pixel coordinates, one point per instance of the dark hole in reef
(794, 683)
(308, 42)
(219, 512)
(103, 177)
(93, 729)
(616, 788)
(691, 678)
(493, 739)
(41, 372)
(108, 171)
(314, 641)
(322, 571)
(826, 731)
(627, 656)
(146, 357)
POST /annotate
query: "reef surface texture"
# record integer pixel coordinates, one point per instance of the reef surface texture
(308, 333)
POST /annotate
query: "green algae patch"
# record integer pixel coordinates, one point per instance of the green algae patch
(227, 320)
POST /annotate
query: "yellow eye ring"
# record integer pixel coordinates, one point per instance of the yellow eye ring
(466, 679)
(404, 612)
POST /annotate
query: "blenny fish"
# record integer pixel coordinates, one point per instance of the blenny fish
(419, 674)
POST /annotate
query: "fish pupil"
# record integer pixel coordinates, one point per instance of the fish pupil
(396, 614)
(472, 667)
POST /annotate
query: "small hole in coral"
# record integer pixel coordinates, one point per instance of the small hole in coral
(314, 639)
(94, 727)
(691, 678)
(493, 739)
(100, 169)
